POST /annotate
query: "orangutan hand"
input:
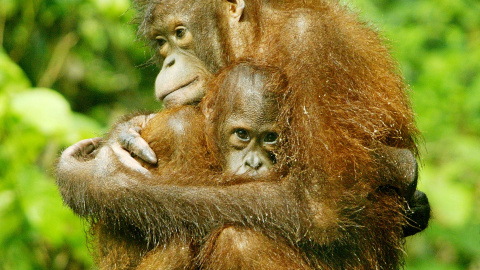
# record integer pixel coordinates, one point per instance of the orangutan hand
(125, 142)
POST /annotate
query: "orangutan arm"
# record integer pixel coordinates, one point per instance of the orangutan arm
(112, 193)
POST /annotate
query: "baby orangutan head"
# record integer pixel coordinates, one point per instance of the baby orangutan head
(245, 110)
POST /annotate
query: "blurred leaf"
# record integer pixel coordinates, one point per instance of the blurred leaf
(452, 202)
(84, 127)
(112, 8)
(9, 6)
(12, 77)
(44, 109)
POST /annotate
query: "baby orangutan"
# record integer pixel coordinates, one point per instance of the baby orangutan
(232, 136)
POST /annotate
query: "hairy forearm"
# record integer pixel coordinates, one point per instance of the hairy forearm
(116, 197)
(201, 209)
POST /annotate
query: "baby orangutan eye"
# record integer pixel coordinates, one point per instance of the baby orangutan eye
(242, 134)
(270, 138)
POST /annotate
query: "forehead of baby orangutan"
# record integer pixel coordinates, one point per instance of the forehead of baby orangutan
(247, 130)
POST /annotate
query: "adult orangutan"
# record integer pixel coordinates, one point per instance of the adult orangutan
(347, 116)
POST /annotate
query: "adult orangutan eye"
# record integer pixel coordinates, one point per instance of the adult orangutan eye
(180, 32)
(270, 138)
(242, 134)
(161, 41)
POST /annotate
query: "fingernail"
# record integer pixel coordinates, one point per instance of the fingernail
(150, 155)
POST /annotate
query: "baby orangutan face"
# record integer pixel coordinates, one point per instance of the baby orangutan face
(250, 144)
(249, 133)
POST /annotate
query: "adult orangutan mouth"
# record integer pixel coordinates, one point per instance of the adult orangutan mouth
(193, 81)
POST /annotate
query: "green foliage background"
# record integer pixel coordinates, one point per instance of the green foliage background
(70, 68)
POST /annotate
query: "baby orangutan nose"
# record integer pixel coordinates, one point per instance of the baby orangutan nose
(253, 161)
(254, 165)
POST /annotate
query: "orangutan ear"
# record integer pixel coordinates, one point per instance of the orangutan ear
(235, 9)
